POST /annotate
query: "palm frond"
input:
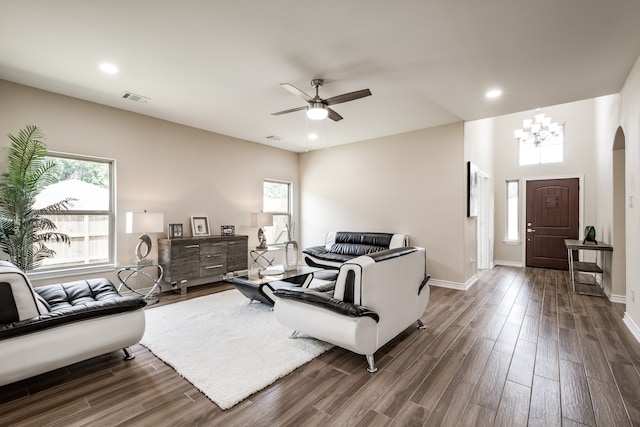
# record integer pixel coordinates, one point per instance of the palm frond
(23, 229)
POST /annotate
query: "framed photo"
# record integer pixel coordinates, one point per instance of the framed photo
(200, 226)
(472, 190)
(227, 230)
(175, 230)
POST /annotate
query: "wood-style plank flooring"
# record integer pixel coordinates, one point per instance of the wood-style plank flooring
(517, 349)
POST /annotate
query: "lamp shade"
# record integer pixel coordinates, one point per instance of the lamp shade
(261, 219)
(144, 222)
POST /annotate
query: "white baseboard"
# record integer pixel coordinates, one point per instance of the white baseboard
(455, 285)
(618, 299)
(508, 263)
(632, 326)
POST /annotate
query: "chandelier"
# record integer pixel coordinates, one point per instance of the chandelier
(537, 131)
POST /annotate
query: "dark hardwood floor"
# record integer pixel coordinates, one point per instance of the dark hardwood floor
(518, 348)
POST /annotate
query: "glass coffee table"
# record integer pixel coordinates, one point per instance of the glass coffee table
(259, 287)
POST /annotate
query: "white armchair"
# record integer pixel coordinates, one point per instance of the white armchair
(376, 297)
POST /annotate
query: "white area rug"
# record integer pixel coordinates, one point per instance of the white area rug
(226, 347)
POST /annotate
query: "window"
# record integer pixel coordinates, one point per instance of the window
(550, 151)
(89, 222)
(512, 212)
(276, 199)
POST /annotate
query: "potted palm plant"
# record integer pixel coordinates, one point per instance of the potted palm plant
(24, 228)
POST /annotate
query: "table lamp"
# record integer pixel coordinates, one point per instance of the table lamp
(261, 220)
(144, 222)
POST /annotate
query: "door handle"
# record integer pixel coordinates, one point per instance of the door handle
(530, 230)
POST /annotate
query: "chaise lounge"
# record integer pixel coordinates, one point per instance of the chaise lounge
(49, 327)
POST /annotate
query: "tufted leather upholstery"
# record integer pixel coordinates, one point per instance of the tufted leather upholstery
(376, 297)
(72, 302)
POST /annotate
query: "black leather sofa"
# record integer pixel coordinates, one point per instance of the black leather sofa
(342, 246)
(48, 327)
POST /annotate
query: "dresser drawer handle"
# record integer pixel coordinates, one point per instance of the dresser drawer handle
(214, 266)
(192, 246)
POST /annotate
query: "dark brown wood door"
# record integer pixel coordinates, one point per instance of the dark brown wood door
(552, 216)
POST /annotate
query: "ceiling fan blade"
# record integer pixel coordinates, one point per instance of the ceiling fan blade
(345, 97)
(297, 92)
(289, 111)
(334, 116)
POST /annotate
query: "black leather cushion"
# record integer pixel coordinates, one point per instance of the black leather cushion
(382, 240)
(322, 253)
(76, 293)
(8, 309)
(73, 302)
(392, 253)
(324, 300)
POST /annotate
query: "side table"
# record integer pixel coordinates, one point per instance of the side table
(127, 272)
(595, 268)
(263, 258)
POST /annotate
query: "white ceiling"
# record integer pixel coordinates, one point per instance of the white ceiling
(217, 64)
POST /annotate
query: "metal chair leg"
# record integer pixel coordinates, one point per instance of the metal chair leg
(371, 363)
(421, 325)
(128, 354)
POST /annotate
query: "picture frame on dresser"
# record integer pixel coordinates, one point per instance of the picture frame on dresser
(227, 230)
(200, 226)
(175, 230)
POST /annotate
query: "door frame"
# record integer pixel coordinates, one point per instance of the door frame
(484, 223)
(523, 207)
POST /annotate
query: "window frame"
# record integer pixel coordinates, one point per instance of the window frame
(539, 149)
(507, 223)
(45, 272)
(288, 215)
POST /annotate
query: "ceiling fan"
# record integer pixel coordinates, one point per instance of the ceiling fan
(318, 108)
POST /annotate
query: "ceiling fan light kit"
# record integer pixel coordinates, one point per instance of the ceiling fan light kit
(318, 108)
(317, 111)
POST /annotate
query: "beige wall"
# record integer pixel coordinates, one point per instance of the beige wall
(160, 166)
(411, 183)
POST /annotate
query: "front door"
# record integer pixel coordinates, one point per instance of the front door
(552, 216)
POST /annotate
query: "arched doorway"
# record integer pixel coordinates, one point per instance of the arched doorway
(618, 257)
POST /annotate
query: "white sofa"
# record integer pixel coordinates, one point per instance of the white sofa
(376, 297)
(53, 326)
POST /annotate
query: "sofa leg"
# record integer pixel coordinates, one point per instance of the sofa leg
(294, 335)
(128, 354)
(421, 325)
(371, 363)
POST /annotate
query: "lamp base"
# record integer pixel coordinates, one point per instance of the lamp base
(262, 239)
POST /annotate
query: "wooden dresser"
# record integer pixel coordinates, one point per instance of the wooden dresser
(189, 261)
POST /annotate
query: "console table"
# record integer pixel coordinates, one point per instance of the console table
(189, 261)
(597, 268)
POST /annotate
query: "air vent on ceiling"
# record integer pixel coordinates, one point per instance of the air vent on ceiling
(135, 98)
(273, 138)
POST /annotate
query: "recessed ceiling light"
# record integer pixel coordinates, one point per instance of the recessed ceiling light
(108, 68)
(493, 93)
(313, 136)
